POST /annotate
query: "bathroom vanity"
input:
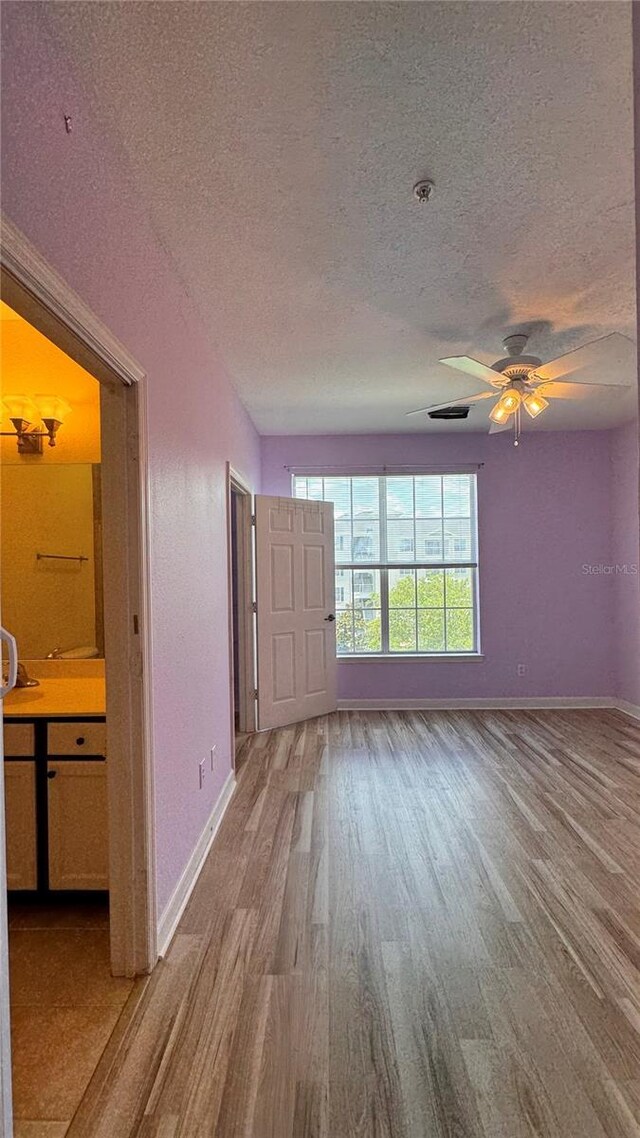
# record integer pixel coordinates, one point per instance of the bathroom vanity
(56, 783)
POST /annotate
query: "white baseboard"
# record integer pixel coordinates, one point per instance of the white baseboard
(508, 704)
(632, 709)
(177, 902)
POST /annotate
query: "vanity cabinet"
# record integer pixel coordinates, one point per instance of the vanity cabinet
(21, 827)
(56, 804)
(78, 825)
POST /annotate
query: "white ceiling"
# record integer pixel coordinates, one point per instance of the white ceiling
(276, 146)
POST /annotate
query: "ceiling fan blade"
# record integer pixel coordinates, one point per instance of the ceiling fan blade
(475, 368)
(495, 428)
(607, 362)
(455, 402)
(574, 391)
(551, 384)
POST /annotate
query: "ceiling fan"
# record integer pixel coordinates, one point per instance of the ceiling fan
(523, 382)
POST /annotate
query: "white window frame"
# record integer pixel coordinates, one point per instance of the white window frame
(383, 567)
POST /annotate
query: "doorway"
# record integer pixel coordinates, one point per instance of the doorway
(241, 610)
(82, 760)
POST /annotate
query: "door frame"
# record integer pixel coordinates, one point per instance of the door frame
(236, 484)
(35, 290)
(6, 1113)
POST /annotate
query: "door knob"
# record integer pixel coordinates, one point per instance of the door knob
(330, 617)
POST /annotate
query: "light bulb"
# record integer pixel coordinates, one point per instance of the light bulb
(508, 402)
(535, 403)
(52, 407)
(511, 399)
(20, 407)
(499, 414)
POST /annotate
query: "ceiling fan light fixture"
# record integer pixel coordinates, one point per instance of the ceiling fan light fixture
(535, 404)
(510, 400)
(499, 413)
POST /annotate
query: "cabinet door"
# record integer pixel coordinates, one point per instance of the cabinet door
(78, 825)
(20, 815)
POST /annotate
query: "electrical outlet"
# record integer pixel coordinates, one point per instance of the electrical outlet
(213, 755)
(521, 669)
(201, 769)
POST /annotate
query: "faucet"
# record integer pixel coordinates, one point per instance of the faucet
(55, 654)
(23, 680)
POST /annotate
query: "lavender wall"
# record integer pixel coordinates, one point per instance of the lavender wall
(71, 196)
(625, 560)
(544, 513)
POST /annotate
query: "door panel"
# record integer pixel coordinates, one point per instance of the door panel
(78, 825)
(295, 577)
(20, 823)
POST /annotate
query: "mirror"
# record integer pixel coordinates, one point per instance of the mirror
(51, 518)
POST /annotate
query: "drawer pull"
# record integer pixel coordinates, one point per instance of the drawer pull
(51, 774)
(80, 740)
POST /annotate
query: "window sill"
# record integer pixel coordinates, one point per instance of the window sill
(392, 657)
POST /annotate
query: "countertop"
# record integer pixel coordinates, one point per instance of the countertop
(68, 695)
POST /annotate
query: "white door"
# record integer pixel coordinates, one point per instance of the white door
(6, 1125)
(295, 594)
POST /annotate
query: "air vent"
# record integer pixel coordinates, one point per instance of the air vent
(459, 412)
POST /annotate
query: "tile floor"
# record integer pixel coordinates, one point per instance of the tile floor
(64, 1006)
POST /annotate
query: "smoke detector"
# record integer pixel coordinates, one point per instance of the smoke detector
(423, 190)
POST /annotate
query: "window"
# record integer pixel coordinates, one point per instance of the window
(416, 535)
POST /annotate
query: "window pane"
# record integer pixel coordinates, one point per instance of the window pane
(431, 588)
(343, 541)
(344, 631)
(429, 497)
(400, 541)
(458, 545)
(399, 497)
(402, 630)
(402, 588)
(366, 541)
(368, 630)
(366, 497)
(457, 495)
(315, 489)
(338, 491)
(431, 630)
(343, 588)
(459, 588)
(366, 587)
(459, 630)
(429, 541)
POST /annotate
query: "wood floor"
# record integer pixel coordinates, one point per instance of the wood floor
(411, 925)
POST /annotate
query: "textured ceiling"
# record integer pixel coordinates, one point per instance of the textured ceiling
(276, 146)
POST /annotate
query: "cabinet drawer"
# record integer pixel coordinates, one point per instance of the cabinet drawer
(18, 740)
(77, 739)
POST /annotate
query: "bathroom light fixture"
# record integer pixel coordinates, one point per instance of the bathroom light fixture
(22, 410)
